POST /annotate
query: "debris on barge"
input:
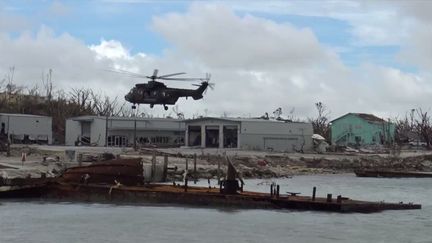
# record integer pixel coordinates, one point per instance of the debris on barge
(392, 174)
(128, 171)
(122, 181)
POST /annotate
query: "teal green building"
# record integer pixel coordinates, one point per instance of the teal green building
(357, 129)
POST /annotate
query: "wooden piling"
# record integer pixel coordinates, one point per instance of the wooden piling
(186, 185)
(271, 190)
(313, 193)
(80, 159)
(277, 190)
(8, 150)
(218, 171)
(153, 166)
(329, 197)
(165, 168)
(195, 168)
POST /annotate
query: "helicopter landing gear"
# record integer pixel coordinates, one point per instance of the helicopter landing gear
(165, 107)
(133, 107)
(151, 105)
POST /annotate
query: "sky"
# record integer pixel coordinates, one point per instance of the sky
(351, 55)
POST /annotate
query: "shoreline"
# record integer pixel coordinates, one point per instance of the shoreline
(251, 164)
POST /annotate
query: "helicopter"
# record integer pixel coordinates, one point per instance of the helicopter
(157, 93)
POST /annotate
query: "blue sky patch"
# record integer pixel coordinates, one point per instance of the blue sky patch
(130, 23)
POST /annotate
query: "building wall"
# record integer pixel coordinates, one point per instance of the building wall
(123, 127)
(33, 126)
(276, 136)
(157, 131)
(148, 135)
(265, 135)
(353, 130)
(98, 131)
(209, 122)
(148, 124)
(73, 130)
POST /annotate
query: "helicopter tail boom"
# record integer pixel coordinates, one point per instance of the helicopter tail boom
(199, 92)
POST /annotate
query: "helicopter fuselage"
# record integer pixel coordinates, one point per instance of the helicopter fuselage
(157, 93)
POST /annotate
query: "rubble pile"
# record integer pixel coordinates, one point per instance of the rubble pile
(285, 166)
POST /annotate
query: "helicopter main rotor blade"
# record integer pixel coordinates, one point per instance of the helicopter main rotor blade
(131, 74)
(170, 75)
(180, 79)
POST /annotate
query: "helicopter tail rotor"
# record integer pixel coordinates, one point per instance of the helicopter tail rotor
(209, 85)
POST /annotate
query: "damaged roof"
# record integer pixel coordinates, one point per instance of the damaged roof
(368, 117)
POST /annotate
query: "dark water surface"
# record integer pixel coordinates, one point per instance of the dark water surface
(37, 221)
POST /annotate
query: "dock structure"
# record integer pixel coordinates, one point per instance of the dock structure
(392, 173)
(212, 197)
(122, 181)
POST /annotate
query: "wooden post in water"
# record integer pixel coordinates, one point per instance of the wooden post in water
(165, 168)
(277, 190)
(329, 197)
(80, 158)
(8, 148)
(313, 193)
(218, 171)
(153, 166)
(195, 168)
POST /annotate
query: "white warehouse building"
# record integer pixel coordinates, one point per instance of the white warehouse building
(249, 134)
(25, 128)
(120, 131)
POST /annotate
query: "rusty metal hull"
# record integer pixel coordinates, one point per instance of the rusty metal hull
(123, 171)
(29, 191)
(23, 187)
(200, 196)
(392, 174)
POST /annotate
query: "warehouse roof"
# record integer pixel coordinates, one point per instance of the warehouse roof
(23, 115)
(239, 119)
(91, 118)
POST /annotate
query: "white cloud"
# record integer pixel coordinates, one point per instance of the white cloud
(73, 63)
(210, 33)
(111, 50)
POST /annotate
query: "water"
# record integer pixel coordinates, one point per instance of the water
(36, 221)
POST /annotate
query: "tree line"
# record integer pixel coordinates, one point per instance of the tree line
(45, 99)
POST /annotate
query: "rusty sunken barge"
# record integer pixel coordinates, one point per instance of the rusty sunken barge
(122, 181)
